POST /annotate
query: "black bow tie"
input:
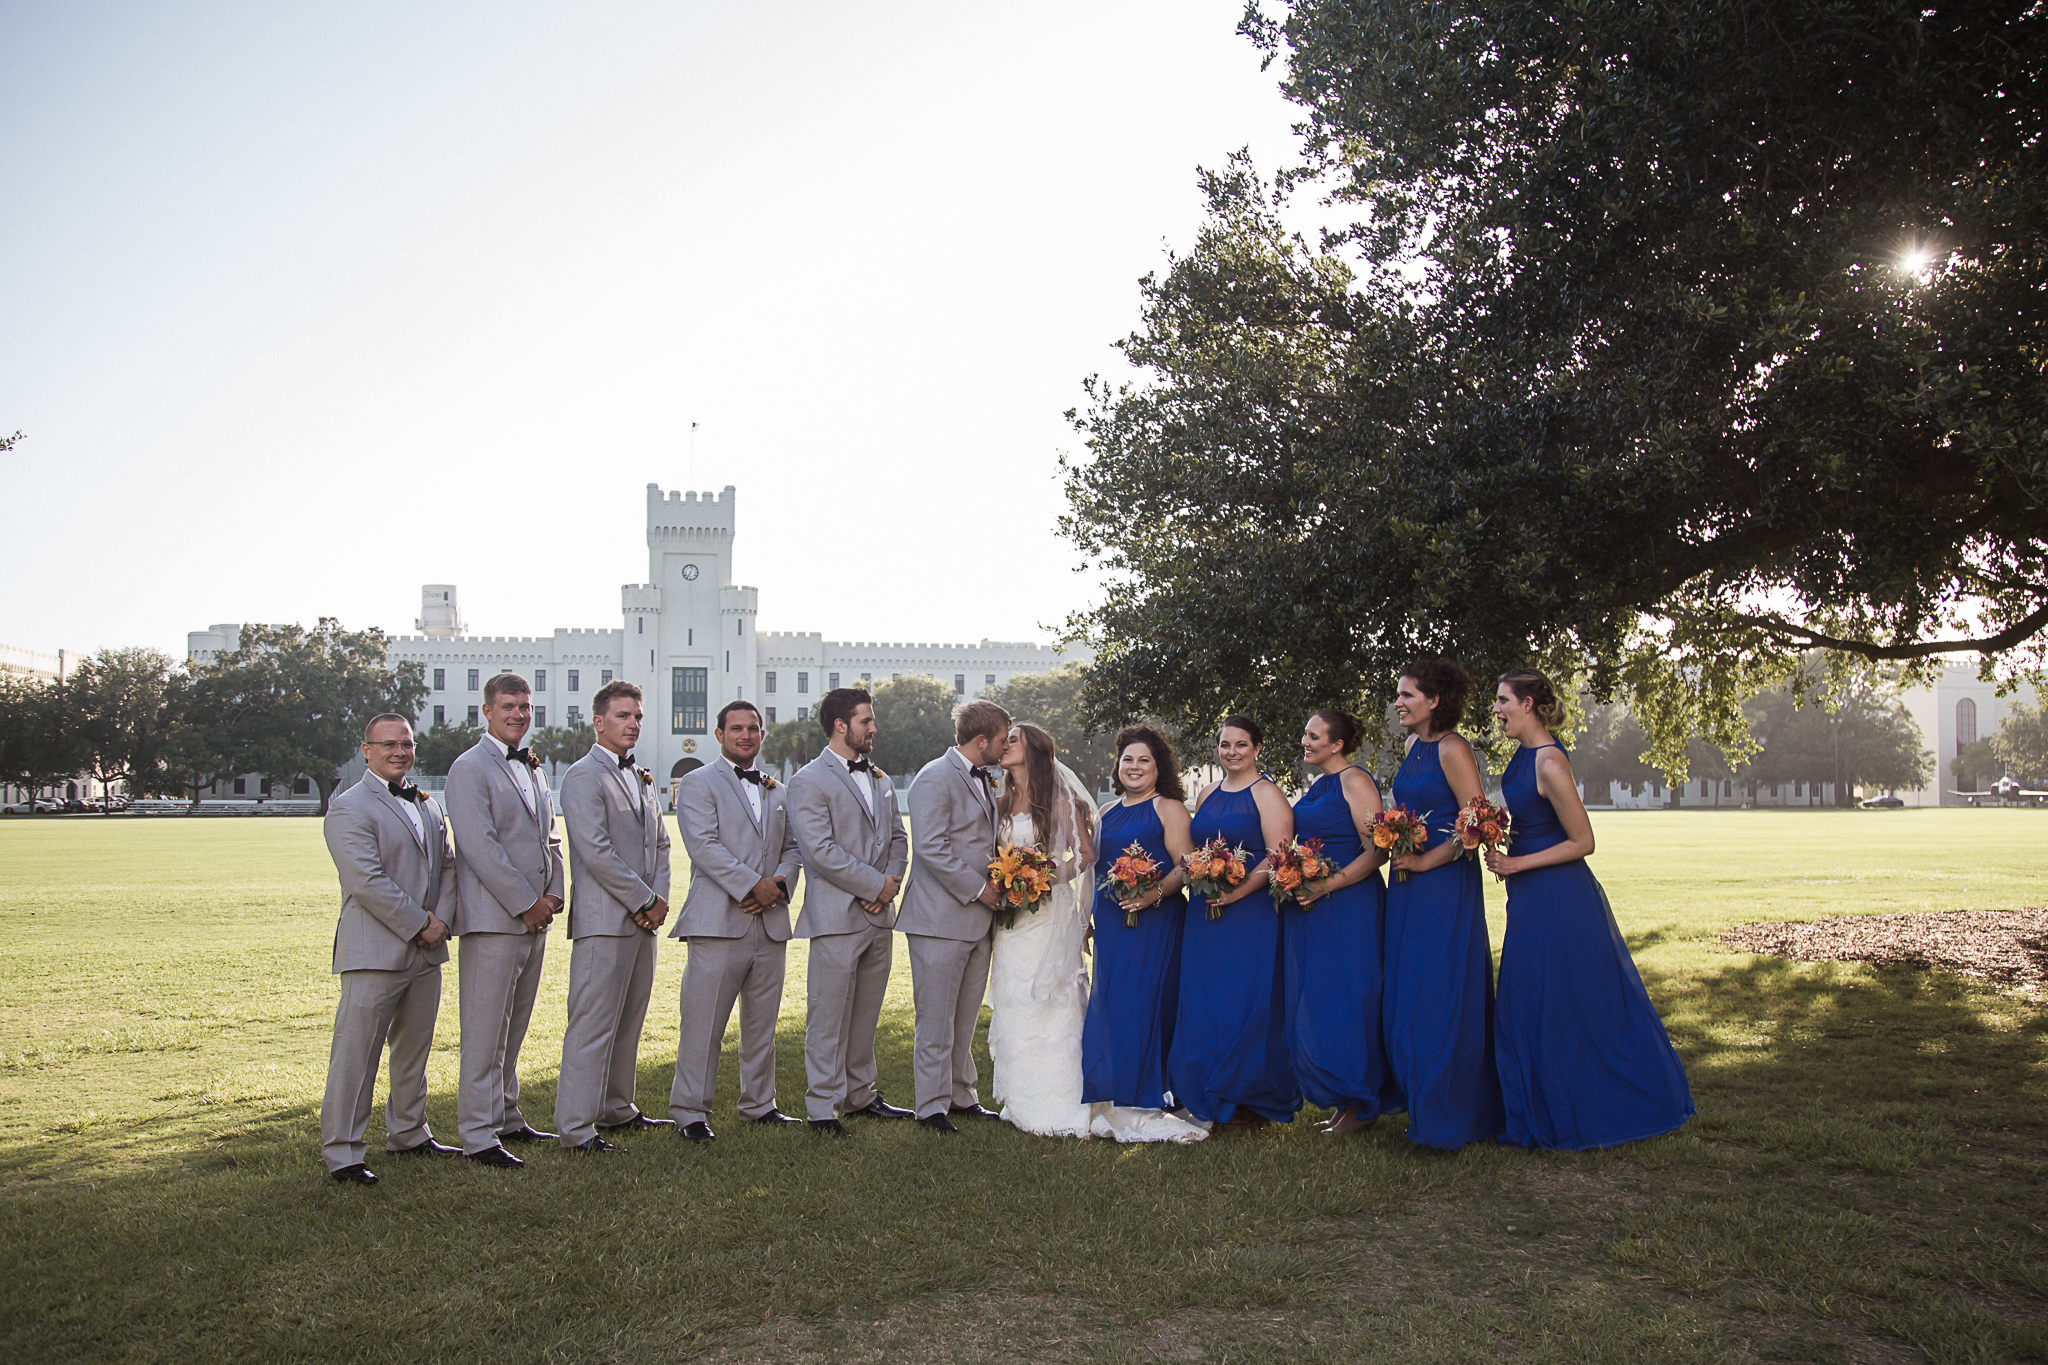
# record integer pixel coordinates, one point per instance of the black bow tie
(988, 779)
(752, 775)
(859, 765)
(513, 755)
(625, 763)
(406, 791)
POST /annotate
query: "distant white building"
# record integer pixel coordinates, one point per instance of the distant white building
(28, 663)
(686, 637)
(1955, 713)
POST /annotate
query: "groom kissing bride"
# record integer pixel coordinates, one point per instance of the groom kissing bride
(959, 816)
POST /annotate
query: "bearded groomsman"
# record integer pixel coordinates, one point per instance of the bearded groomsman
(390, 848)
(743, 861)
(842, 812)
(618, 855)
(508, 889)
(948, 911)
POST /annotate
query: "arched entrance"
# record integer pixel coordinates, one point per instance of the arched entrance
(683, 765)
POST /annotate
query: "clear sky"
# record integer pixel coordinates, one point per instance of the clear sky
(306, 306)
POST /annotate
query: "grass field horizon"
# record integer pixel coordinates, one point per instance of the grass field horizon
(1864, 1180)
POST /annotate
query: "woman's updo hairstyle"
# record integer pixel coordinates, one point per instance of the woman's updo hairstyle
(1447, 682)
(1343, 727)
(1244, 723)
(1530, 685)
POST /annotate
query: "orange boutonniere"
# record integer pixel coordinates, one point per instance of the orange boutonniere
(646, 778)
(768, 784)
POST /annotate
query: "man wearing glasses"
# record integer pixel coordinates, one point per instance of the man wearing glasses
(390, 849)
(508, 891)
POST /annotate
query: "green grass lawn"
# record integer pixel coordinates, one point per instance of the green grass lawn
(1864, 1180)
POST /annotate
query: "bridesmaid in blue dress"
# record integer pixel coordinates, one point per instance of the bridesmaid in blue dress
(1334, 938)
(1228, 1063)
(1584, 1059)
(1439, 982)
(1137, 969)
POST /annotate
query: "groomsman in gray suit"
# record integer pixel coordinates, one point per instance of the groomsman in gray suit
(390, 848)
(743, 861)
(948, 911)
(618, 855)
(508, 889)
(842, 810)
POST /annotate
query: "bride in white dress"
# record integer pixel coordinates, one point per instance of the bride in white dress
(1038, 982)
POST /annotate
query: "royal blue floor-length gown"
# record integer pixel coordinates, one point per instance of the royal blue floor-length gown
(1439, 978)
(1137, 973)
(1584, 1059)
(1229, 1037)
(1334, 952)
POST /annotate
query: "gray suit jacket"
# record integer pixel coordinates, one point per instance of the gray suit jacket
(846, 851)
(618, 846)
(511, 855)
(389, 879)
(952, 838)
(730, 852)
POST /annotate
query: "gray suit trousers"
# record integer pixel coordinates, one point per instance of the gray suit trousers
(948, 979)
(610, 980)
(718, 972)
(847, 978)
(500, 977)
(374, 1005)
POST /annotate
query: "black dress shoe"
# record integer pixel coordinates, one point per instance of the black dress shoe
(597, 1145)
(358, 1174)
(972, 1111)
(829, 1128)
(778, 1119)
(427, 1148)
(700, 1131)
(639, 1123)
(496, 1156)
(938, 1123)
(526, 1133)
(878, 1108)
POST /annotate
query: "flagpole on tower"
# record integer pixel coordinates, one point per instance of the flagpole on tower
(690, 474)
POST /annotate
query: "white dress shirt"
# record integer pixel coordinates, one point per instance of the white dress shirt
(863, 782)
(521, 774)
(412, 813)
(752, 790)
(635, 791)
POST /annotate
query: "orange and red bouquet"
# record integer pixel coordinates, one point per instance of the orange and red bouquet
(1298, 863)
(1023, 878)
(1481, 824)
(1212, 869)
(1135, 875)
(1397, 830)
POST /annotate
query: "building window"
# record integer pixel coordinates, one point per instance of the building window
(1966, 724)
(803, 684)
(575, 680)
(642, 623)
(302, 786)
(604, 678)
(540, 715)
(831, 680)
(241, 786)
(540, 680)
(867, 677)
(728, 661)
(771, 715)
(770, 688)
(895, 677)
(472, 715)
(575, 716)
(690, 636)
(650, 659)
(689, 700)
(803, 713)
(440, 680)
(474, 675)
(440, 715)
(988, 679)
(739, 627)
(960, 684)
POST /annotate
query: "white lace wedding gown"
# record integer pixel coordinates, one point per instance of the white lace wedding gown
(1038, 990)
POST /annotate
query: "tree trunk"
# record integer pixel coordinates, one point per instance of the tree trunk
(326, 786)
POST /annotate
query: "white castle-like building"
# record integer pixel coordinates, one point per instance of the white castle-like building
(687, 638)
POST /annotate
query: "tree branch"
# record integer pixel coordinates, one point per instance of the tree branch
(1793, 633)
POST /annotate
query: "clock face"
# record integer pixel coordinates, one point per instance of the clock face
(690, 572)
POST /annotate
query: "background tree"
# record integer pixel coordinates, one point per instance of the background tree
(555, 745)
(794, 742)
(122, 704)
(913, 722)
(444, 743)
(294, 701)
(1053, 701)
(199, 747)
(1975, 767)
(2022, 743)
(1610, 749)
(1869, 740)
(38, 746)
(1668, 344)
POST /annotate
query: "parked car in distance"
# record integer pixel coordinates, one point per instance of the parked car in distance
(1883, 803)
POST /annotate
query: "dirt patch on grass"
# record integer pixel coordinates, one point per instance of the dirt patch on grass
(2008, 948)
